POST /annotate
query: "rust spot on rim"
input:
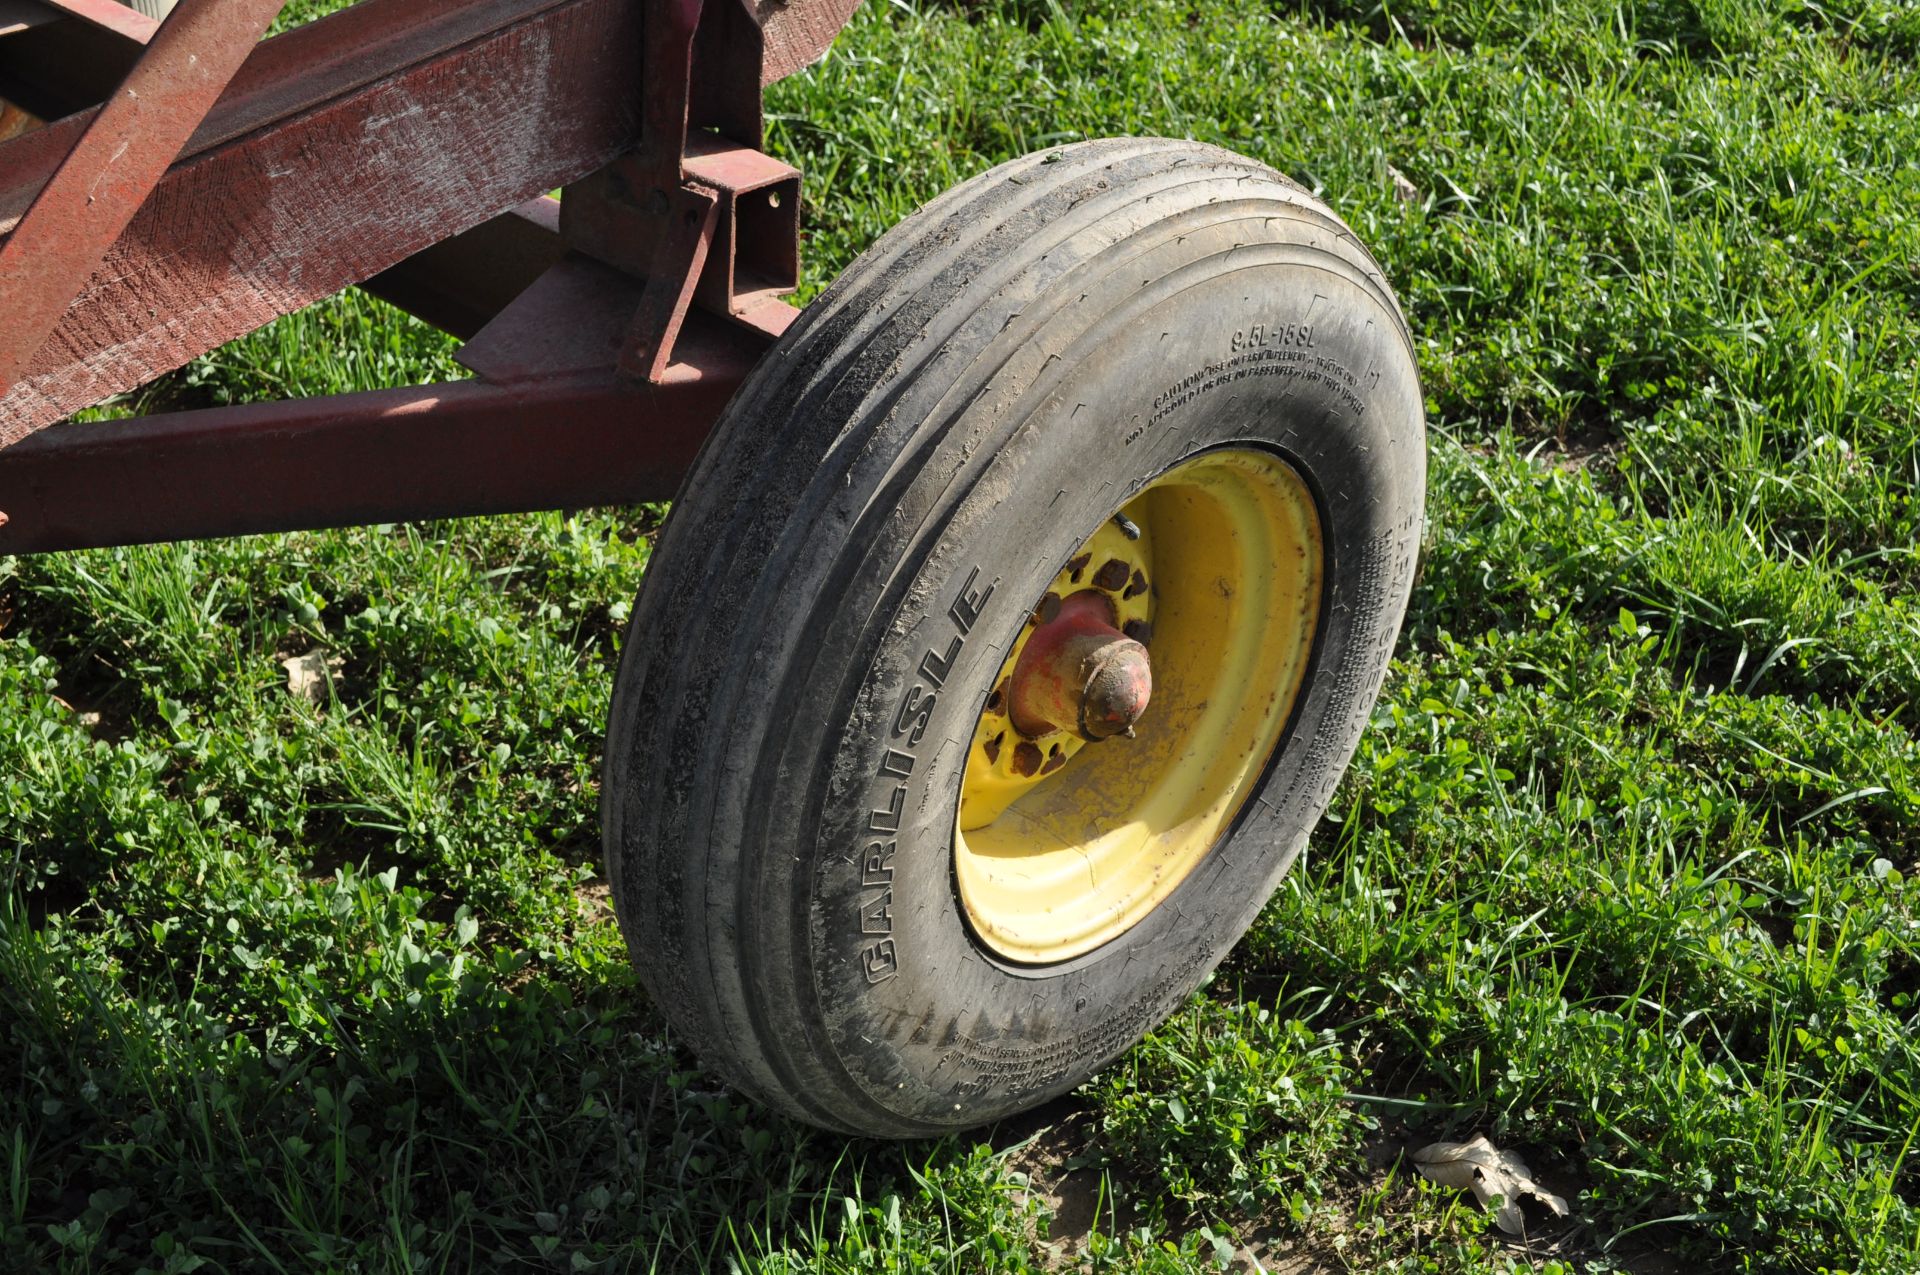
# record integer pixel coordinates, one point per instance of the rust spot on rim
(1112, 575)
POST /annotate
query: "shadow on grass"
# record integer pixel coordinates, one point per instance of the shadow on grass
(463, 1118)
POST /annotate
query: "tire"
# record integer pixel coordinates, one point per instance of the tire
(855, 555)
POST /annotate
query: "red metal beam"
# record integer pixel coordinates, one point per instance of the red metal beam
(283, 195)
(282, 216)
(110, 15)
(571, 440)
(370, 41)
(116, 164)
(797, 32)
(342, 149)
(296, 71)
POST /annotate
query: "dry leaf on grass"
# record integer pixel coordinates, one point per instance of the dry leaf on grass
(1403, 188)
(1488, 1172)
(307, 676)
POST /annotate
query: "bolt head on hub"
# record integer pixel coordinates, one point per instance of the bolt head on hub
(1080, 674)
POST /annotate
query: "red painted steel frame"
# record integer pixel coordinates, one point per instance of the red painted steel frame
(341, 150)
(566, 441)
(396, 145)
(118, 161)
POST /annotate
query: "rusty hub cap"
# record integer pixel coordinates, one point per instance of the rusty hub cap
(1078, 673)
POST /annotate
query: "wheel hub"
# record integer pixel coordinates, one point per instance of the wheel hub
(1005, 761)
(1080, 674)
(1216, 567)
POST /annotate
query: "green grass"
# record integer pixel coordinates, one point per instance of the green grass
(1619, 876)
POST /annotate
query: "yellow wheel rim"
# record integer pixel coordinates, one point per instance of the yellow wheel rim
(1062, 845)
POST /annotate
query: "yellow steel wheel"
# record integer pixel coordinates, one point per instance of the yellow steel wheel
(1062, 845)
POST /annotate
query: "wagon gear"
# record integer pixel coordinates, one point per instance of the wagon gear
(1022, 600)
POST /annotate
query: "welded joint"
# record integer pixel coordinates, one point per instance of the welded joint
(684, 248)
(727, 239)
(695, 209)
(757, 237)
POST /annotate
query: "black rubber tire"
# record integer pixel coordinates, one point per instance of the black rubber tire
(956, 415)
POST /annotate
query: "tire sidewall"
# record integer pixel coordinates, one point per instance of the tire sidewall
(1293, 355)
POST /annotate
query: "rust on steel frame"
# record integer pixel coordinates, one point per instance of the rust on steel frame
(115, 165)
(382, 144)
